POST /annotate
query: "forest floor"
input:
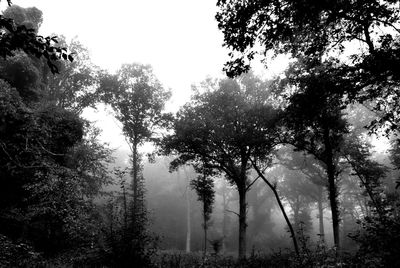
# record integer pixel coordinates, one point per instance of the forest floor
(177, 259)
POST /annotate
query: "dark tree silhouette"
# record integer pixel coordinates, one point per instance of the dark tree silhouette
(204, 187)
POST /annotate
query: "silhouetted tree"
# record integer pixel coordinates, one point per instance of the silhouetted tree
(204, 187)
(137, 99)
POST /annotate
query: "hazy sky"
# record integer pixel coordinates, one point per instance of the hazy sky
(179, 38)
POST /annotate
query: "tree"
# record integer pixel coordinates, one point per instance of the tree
(74, 87)
(137, 98)
(315, 123)
(52, 164)
(35, 80)
(204, 187)
(220, 129)
(20, 37)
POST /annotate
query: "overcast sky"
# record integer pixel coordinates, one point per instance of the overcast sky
(179, 38)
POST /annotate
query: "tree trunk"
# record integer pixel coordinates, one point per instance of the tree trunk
(205, 238)
(205, 227)
(296, 247)
(225, 208)
(125, 210)
(242, 221)
(332, 188)
(188, 225)
(296, 212)
(321, 218)
(134, 181)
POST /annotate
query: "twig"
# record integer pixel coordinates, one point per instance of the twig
(233, 212)
(55, 154)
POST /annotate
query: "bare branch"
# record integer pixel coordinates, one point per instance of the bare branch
(233, 212)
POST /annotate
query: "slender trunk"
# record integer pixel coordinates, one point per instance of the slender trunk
(125, 210)
(188, 225)
(368, 39)
(332, 188)
(242, 221)
(225, 207)
(321, 218)
(205, 236)
(134, 181)
(296, 212)
(296, 247)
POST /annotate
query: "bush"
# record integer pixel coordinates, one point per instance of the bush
(14, 254)
(379, 241)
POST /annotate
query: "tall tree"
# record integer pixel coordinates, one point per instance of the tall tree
(315, 121)
(220, 129)
(137, 98)
(204, 187)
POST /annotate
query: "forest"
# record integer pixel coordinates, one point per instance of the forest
(301, 169)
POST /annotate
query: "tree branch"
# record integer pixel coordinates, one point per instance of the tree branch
(237, 214)
(273, 188)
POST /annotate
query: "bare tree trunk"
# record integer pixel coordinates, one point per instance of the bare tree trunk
(125, 210)
(225, 208)
(332, 188)
(296, 212)
(242, 221)
(273, 188)
(205, 233)
(188, 223)
(321, 217)
(134, 181)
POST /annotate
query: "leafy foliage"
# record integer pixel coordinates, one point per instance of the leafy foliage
(204, 187)
(52, 164)
(379, 241)
(137, 98)
(303, 28)
(23, 37)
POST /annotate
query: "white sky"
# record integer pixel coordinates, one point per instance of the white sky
(179, 38)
